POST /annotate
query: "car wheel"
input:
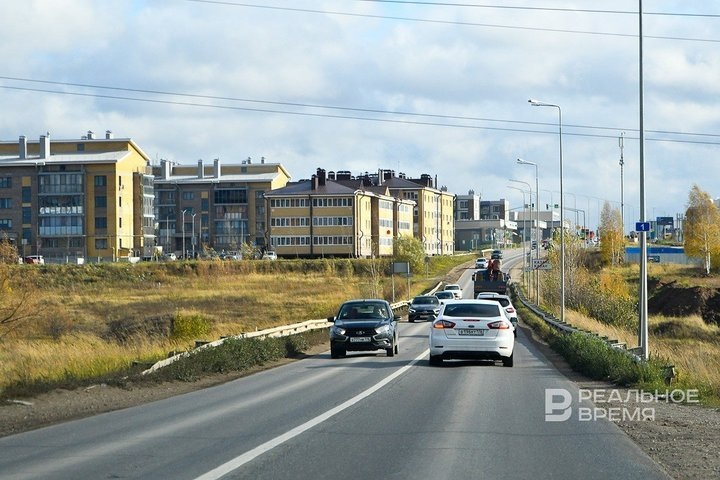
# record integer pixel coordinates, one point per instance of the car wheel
(336, 352)
(396, 347)
(435, 360)
(508, 361)
(411, 320)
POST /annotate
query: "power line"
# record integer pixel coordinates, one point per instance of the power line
(350, 117)
(455, 22)
(547, 9)
(335, 107)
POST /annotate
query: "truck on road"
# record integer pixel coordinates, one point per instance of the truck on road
(483, 283)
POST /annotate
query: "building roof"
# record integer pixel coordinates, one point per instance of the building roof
(80, 158)
(305, 187)
(241, 177)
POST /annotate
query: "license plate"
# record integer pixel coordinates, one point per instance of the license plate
(475, 332)
(359, 339)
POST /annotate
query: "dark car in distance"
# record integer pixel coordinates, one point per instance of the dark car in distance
(364, 325)
(423, 307)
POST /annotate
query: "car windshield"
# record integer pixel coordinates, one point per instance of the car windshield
(363, 311)
(471, 310)
(444, 294)
(452, 287)
(425, 301)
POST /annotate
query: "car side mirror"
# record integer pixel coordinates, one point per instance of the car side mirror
(397, 318)
(331, 319)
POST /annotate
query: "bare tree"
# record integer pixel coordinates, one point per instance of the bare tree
(17, 293)
(701, 227)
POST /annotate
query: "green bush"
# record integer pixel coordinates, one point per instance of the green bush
(591, 356)
(188, 327)
(239, 354)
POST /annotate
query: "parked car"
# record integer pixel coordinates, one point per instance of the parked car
(481, 263)
(472, 329)
(230, 256)
(455, 289)
(505, 303)
(269, 256)
(444, 296)
(364, 325)
(496, 254)
(423, 307)
(169, 256)
(34, 260)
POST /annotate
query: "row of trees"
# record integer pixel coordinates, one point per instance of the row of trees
(701, 231)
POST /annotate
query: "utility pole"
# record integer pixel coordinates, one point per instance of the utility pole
(621, 143)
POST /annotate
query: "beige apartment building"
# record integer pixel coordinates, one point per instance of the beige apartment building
(338, 216)
(76, 199)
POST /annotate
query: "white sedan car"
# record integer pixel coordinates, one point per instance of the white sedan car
(472, 329)
(455, 289)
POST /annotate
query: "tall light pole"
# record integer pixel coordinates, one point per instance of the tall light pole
(530, 236)
(537, 228)
(192, 240)
(536, 103)
(621, 144)
(643, 294)
(523, 237)
(184, 253)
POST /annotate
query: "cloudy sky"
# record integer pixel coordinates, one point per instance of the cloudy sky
(414, 86)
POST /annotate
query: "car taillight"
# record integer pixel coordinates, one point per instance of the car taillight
(510, 310)
(443, 324)
(499, 325)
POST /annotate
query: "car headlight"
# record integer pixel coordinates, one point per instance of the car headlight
(436, 311)
(383, 329)
(411, 310)
(337, 330)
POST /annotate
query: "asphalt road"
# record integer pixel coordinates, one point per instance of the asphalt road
(364, 416)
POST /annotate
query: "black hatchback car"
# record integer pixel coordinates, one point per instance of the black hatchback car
(364, 325)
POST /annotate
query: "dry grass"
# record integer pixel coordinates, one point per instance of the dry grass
(96, 321)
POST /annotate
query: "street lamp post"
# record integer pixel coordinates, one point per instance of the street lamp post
(183, 233)
(523, 235)
(529, 236)
(537, 228)
(192, 240)
(536, 103)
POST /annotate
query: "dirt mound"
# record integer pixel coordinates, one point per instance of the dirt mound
(673, 300)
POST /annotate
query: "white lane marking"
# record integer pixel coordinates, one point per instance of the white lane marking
(241, 460)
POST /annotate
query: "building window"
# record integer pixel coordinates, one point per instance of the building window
(101, 243)
(26, 215)
(27, 234)
(80, 147)
(100, 222)
(188, 195)
(101, 201)
(101, 180)
(26, 197)
(5, 223)
(5, 182)
(205, 204)
(5, 203)
(120, 222)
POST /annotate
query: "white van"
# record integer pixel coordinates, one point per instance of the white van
(269, 256)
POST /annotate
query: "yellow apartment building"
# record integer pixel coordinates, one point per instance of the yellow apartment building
(71, 200)
(339, 217)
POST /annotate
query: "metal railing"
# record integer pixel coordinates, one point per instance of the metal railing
(275, 332)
